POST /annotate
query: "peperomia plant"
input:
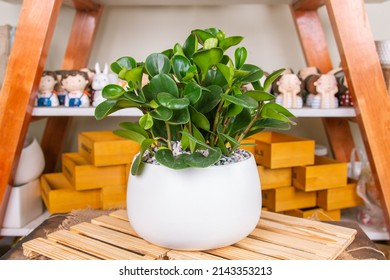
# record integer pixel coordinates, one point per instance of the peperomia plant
(195, 94)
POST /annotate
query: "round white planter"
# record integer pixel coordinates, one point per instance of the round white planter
(195, 208)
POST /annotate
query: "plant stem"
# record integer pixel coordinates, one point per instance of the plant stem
(169, 136)
(254, 119)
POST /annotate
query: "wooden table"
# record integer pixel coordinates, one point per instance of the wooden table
(361, 247)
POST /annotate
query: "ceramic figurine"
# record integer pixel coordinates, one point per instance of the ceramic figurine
(75, 83)
(47, 96)
(61, 92)
(289, 88)
(99, 81)
(308, 71)
(322, 91)
(91, 74)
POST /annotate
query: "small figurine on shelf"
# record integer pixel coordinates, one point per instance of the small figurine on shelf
(75, 83)
(304, 74)
(91, 74)
(344, 96)
(46, 96)
(99, 81)
(322, 91)
(289, 90)
(61, 92)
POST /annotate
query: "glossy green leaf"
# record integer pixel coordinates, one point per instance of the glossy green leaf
(185, 142)
(113, 91)
(128, 134)
(233, 142)
(200, 161)
(146, 121)
(240, 56)
(255, 73)
(181, 66)
(125, 103)
(105, 108)
(202, 35)
(137, 163)
(200, 143)
(180, 117)
(190, 46)
(262, 124)
(275, 111)
(134, 127)
(241, 100)
(214, 31)
(239, 122)
(199, 119)
(210, 43)
(125, 62)
(259, 95)
(233, 110)
(204, 59)
(215, 77)
(209, 99)
(134, 76)
(171, 102)
(165, 157)
(230, 41)
(197, 134)
(192, 71)
(157, 63)
(178, 50)
(271, 78)
(161, 113)
(163, 83)
(192, 91)
(227, 72)
(168, 53)
(130, 95)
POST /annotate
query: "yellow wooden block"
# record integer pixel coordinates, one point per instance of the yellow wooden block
(251, 145)
(325, 173)
(59, 195)
(287, 198)
(274, 178)
(103, 148)
(84, 176)
(339, 198)
(278, 150)
(315, 214)
(114, 197)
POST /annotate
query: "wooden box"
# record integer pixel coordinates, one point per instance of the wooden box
(278, 150)
(315, 214)
(59, 195)
(326, 173)
(339, 198)
(103, 148)
(288, 198)
(84, 176)
(114, 197)
(274, 178)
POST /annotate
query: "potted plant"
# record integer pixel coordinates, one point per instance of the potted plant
(198, 104)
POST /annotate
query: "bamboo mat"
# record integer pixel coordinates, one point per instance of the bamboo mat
(276, 236)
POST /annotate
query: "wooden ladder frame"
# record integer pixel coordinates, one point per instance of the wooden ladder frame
(353, 37)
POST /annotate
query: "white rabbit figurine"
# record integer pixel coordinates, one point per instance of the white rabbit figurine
(99, 81)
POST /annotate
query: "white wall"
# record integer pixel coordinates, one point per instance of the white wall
(269, 32)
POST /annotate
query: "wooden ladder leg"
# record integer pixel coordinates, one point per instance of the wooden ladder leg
(365, 79)
(24, 70)
(315, 48)
(76, 57)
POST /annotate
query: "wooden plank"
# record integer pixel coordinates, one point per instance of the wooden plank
(191, 255)
(308, 4)
(368, 88)
(236, 253)
(77, 53)
(115, 224)
(120, 240)
(82, 5)
(120, 214)
(53, 250)
(94, 247)
(17, 97)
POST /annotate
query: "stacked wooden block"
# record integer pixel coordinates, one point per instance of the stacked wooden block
(296, 182)
(96, 176)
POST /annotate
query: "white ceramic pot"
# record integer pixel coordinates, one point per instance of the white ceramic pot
(195, 208)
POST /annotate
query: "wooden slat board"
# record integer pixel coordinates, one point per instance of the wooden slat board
(275, 237)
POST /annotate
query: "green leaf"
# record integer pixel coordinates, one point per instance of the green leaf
(180, 117)
(210, 43)
(215, 77)
(130, 95)
(202, 35)
(199, 119)
(165, 157)
(171, 102)
(134, 76)
(128, 134)
(198, 135)
(239, 122)
(146, 121)
(271, 78)
(163, 83)
(161, 113)
(190, 46)
(134, 127)
(113, 91)
(241, 100)
(135, 167)
(192, 91)
(275, 111)
(233, 142)
(227, 72)
(185, 142)
(214, 31)
(259, 95)
(157, 63)
(180, 65)
(105, 108)
(125, 62)
(233, 110)
(178, 50)
(204, 59)
(230, 41)
(125, 103)
(240, 56)
(268, 123)
(200, 161)
(255, 73)
(209, 99)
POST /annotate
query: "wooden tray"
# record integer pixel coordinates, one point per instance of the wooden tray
(275, 237)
